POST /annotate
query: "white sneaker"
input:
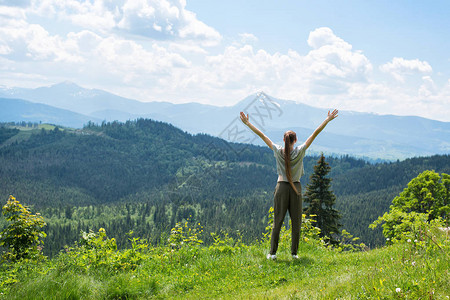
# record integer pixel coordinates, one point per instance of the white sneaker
(295, 256)
(272, 257)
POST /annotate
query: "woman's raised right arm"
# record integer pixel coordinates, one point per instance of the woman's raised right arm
(266, 140)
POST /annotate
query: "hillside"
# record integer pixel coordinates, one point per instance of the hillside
(147, 175)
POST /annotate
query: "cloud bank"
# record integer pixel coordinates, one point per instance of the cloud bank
(159, 50)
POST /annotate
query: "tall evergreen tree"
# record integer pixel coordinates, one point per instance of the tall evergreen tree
(321, 200)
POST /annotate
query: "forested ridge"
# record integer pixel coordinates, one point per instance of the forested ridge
(145, 176)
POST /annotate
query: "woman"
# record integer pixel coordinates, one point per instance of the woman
(287, 196)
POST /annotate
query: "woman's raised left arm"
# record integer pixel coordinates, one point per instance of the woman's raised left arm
(331, 116)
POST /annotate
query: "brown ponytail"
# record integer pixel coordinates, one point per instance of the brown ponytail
(289, 138)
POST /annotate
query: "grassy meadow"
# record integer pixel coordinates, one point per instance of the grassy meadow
(185, 268)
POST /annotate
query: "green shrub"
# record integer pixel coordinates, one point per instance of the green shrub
(185, 235)
(96, 251)
(22, 237)
(425, 200)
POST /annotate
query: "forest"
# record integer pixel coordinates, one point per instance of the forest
(145, 176)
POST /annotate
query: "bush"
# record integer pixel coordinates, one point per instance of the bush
(96, 251)
(22, 238)
(185, 235)
(424, 200)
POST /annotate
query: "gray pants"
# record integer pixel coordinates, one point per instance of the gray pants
(285, 199)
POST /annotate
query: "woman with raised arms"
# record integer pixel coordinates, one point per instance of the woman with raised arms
(287, 195)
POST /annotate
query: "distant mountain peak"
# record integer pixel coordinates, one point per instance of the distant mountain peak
(67, 85)
(71, 89)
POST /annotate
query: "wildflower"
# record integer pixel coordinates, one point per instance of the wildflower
(398, 290)
(413, 263)
(415, 241)
(409, 240)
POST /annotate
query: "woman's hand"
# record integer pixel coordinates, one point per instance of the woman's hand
(333, 115)
(244, 118)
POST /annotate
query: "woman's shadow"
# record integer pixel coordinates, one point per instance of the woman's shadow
(302, 260)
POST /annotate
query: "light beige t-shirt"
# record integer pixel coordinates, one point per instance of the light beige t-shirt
(297, 155)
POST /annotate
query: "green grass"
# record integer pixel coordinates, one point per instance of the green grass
(41, 126)
(236, 271)
(19, 137)
(26, 132)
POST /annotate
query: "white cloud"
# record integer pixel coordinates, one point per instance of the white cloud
(142, 16)
(93, 16)
(11, 13)
(84, 54)
(332, 60)
(332, 57)
(197, 30)
(248, 38)
(22, 41)
(86, 41)
(324, 36)
(187, 48)
(399, 68)
(126, 59)
(4, 49)
(428, 87)
(330, 69)
(154, 19)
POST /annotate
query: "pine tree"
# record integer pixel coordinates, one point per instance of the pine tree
(321, 200)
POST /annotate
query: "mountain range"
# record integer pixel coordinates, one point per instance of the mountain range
(359, 134)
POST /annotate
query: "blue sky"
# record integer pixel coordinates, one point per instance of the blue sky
(385, 57)
(382, 29)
